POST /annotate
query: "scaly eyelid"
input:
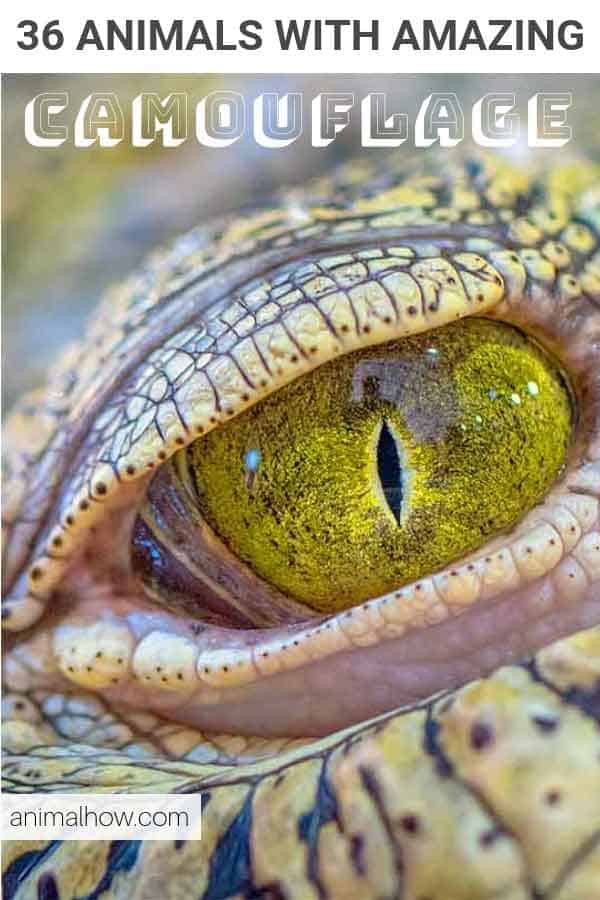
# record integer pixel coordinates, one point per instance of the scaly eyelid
(203, 375)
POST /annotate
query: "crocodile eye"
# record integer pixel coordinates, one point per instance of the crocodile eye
(347, 455)
(381, 467)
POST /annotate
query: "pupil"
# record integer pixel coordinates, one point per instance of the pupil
(390, 470)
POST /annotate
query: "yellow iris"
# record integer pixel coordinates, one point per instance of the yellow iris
(384, 465)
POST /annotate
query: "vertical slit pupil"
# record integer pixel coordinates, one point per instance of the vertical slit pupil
(390, 470)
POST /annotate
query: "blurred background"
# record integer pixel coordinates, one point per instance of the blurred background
(75, 220)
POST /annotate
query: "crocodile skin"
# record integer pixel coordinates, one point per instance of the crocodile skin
(487, 792)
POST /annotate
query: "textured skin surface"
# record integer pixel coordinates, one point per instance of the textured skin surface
(491, 791)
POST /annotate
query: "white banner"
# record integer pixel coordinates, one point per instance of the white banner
(309, 37)
(106, 817)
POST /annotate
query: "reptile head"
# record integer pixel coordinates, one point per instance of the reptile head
(309, 521)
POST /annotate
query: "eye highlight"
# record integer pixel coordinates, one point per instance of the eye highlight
(382, 466)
